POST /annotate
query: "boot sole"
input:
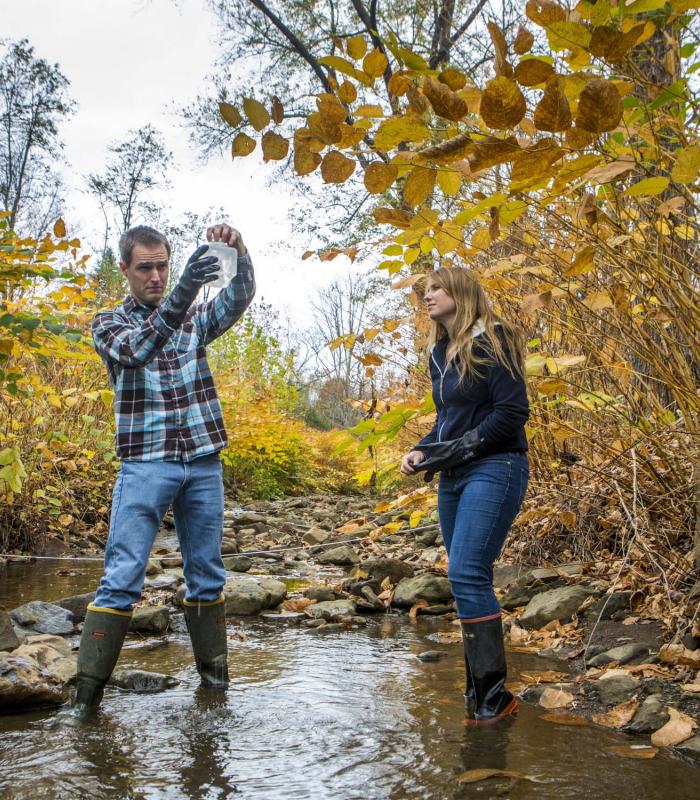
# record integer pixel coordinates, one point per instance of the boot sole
(510, 710)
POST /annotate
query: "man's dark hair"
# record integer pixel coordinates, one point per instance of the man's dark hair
(140, 234)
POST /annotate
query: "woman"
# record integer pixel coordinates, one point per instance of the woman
(478, 443)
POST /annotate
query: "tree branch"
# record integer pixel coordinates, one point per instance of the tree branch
(446, 42)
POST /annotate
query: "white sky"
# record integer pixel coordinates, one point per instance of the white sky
(130, 63)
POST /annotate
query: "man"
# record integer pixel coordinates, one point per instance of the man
(169, 432)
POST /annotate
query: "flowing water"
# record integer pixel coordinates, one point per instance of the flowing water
(333, 716)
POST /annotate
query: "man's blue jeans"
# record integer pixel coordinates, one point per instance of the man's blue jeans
(477, 508)
(142, 493)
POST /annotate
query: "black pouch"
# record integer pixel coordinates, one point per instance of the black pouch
(446, 455)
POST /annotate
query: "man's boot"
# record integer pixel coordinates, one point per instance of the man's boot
(206, 623)
(103, 634)
(485, 656)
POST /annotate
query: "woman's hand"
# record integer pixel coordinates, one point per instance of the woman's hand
(409, 460)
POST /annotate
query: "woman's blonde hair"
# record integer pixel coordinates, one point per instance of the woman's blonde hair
(472, 305)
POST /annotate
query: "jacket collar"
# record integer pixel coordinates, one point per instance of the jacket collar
(131, 304)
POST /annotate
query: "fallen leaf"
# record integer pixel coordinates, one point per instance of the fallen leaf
(474, 775)
(564, 718)
(618, 716)
(413, 613)
(634, 750)
(299, 604)
(678, 654)
(543, 676)
(555, 698)
(679, 728)
(691, 687)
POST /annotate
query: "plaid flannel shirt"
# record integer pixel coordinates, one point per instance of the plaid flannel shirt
(165, 401)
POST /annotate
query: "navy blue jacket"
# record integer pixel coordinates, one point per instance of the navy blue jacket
(493, 402)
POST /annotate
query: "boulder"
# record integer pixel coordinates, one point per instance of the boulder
(392, 568)
(77, 604)
(610, 604)
(153, 567)
(315, 536)
(622, 654)
(36, 673)
(8, 637)
(616, 688)
(164, 581)
(342, 556)
(248, 595)
(44, 618)
(320, 593)
(332, 611)
(650, 716)
(559, 604)
(690, 747)
(431, 588)
(140, 681)
(150, 619)
(238, 563)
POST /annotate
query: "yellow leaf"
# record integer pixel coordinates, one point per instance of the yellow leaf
(336, 168)
(582, 263)
(648, 187)
(375, 63)
(369, 110)
(230, 114)
(419, 184)
(449, 181)
(347, 92)
(481, 238)
(274, 146)
(305, 161)
(54, 400)
(502, 104)
(347, 68)
(532, 71)
(400, 129)
(59, 228)
(242, 145)
(399, 84)
(357, 47)
(453, 78)
(687, 165)
(257, 114)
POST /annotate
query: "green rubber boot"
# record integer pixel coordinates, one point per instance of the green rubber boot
(206, 623)
(101, 641)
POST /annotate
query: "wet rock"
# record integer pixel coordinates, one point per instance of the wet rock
(332, 610)
(249, 595)
(238, 563)
(43, 618)
(315, 536)
(519, 595)
(650, 716)
(431, 588)
(392, 568)
(331, 627)
(150, 619)
(319, 593)
(36, 673)
(623, 654)
(342, 556)
(690, 748)
(616, 688)
(374, 602)
(8, 637)
(610, 604)
(314, 623)
(153, 567)
(177, 623)
(140, 681)
(229, 546)
(164, 581)
(283, 617)
(171, 561)
(431, 655)
(77, 604)
(559, 604)
(277, 591)
(441, 608)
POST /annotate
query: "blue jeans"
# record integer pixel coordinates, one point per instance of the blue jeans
(477, 508)
(142, 493)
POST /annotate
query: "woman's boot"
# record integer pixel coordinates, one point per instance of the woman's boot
(101, 641)
(485, 656)
(206, 623)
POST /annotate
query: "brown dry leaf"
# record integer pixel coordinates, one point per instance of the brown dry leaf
(577, 138)
(444, 101)
(533, 162)
(679, 728)
(599, 107)
(618, 716)
(678, 654)
(305, 162)
(242, 145)
(614, 170)
(693, 688)
(543, 676)
(379, 177)
(565, 718)
(230, 114)
(399, 83)
(502, 103)
(274, 146)
(351, 525)
(555, 698)
(523, 41)
(533, 71)
(474, 775)
(257, 114)
(491, 151)
(299, 604)
(413, 613)
(392, 216)
(451, 150)
(277, 110)
(501, 65)
(418, 185)
(553, 113)
(533, 302)
(634, 750)
(386, 584)
(544, 12)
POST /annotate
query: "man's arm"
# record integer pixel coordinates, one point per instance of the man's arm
(130, 345)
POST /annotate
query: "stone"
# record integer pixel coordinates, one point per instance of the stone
(392, 568)
(427, 539)
(44, 618)
(431, 655)
(229, 547)
(319, 593)
(238, 563)
(77, 604)
(519, 595)
(431, 555)
(332, 611)
(616, 688)
(164, 581)
(171, 561)
(283, 617)
(342, 556)
(141, 681)
(690, 747)
(559, 604)
(431, 588)
(610, 604)
(153, 567)
(36, 673)
(650, 716)
(435, 610)
(623, 654)
(315, 536)
(249, 595)
(178, 624)
(8, 637)
(150, 619)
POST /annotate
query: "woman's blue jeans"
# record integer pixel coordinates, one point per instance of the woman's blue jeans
(477, 507)
(142, 493)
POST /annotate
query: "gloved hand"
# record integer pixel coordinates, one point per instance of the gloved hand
(197, 272)
(445, 455)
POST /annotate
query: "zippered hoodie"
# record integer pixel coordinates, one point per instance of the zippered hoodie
(494, 402)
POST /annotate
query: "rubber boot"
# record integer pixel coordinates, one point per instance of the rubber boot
(103, 634)
(206, 623)
(485, 656)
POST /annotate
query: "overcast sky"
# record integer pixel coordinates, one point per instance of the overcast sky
(130, 63)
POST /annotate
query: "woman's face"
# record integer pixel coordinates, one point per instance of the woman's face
(441, 307)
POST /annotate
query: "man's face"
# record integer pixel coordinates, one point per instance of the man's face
(147, 273)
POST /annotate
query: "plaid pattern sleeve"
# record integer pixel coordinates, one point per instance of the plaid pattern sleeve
(165, 402)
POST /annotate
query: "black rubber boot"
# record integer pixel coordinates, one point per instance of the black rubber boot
(206, 623)
(100, 643)
(485, 656)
